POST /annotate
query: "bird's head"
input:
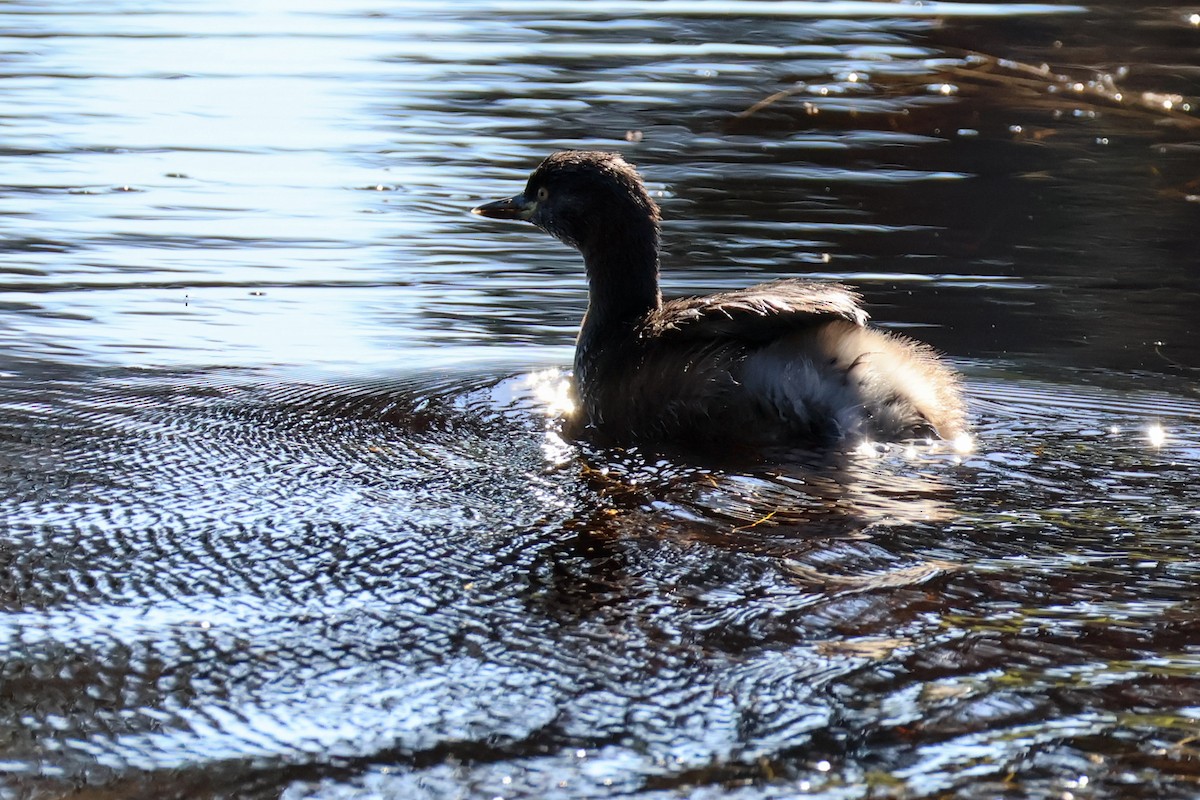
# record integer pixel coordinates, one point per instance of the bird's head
(583, 198)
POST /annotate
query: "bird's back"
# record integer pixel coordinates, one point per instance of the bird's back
(789, 362)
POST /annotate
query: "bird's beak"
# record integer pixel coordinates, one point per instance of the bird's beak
(515, 207)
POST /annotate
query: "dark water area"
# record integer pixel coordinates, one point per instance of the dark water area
(285, 508)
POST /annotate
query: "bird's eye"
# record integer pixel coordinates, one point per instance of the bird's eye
(543, 194)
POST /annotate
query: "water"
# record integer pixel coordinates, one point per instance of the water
(286, 513)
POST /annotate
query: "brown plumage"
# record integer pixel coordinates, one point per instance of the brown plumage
(781, 363)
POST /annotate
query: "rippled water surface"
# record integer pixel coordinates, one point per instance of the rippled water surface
(285, 508)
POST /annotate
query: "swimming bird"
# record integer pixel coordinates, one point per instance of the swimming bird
(791, 362)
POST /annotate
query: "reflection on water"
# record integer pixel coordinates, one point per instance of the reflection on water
(336, 586)
(287, 511)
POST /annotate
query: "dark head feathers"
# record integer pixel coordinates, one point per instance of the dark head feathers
(585, 197)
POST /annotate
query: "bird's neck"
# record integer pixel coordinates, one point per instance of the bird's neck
(622, 290)
(622, 275)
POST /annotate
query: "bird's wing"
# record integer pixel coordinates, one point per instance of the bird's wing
(759, 313)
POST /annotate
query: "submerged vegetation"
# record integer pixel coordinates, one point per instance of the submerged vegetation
(987, 81)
